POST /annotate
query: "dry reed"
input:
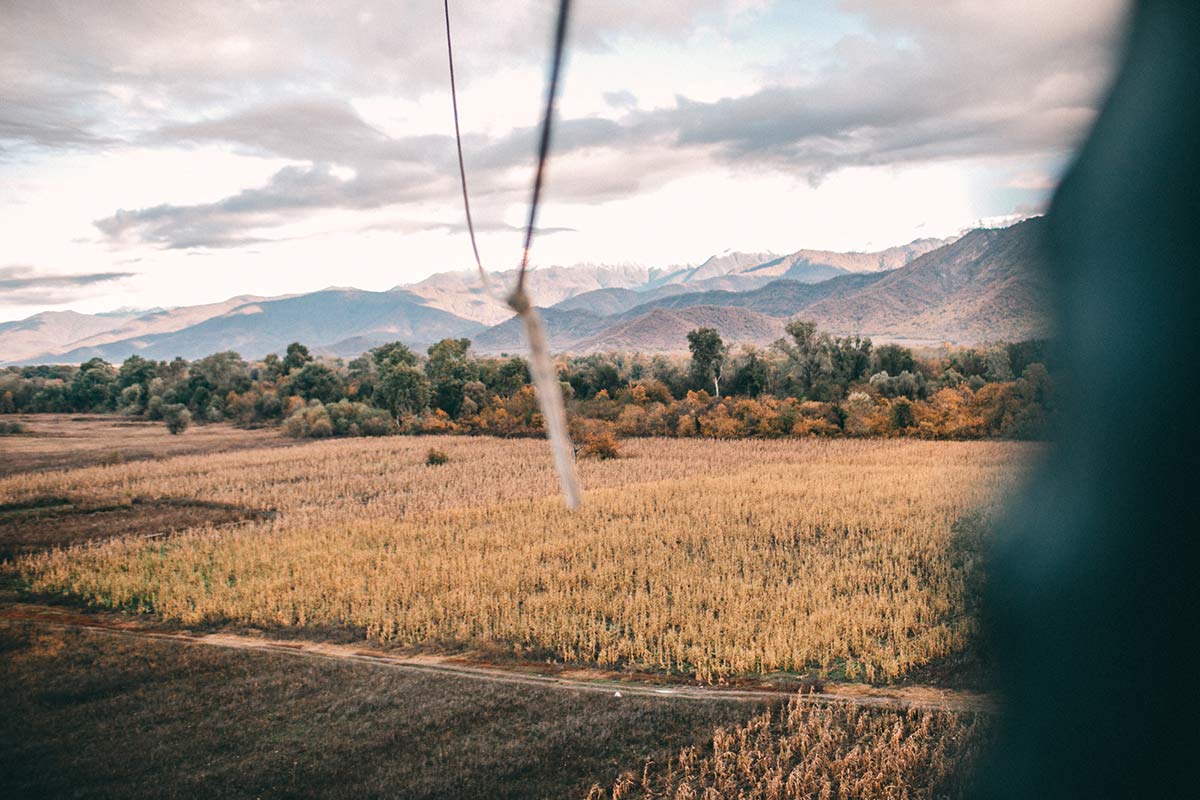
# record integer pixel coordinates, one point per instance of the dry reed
(820, 752)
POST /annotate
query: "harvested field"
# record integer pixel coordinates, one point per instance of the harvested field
(61, 441)
(54, 521)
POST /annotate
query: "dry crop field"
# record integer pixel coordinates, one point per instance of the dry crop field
(806, 751)
(712, 561)
(707, 559)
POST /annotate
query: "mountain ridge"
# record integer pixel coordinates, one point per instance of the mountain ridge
(982, 286)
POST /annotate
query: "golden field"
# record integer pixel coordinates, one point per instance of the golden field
(707, 558)
(805, 751)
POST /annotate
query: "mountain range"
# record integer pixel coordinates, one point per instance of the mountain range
(985, 285)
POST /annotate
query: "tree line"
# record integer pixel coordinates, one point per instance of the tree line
(808, 383)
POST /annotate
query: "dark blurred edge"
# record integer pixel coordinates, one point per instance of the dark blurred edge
(1090, 608)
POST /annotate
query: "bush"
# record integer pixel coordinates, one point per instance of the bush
(11, 428)
(601, 445)
(177, 417)
(435, 458)
(902, 414)
(359, 419)
(343, 418)
(309, 422)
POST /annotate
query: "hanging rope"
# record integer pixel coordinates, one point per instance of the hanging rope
(560, 39)
(462, 170)
(541, 366)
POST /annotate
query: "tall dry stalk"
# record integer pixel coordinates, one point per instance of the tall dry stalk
(820, 752)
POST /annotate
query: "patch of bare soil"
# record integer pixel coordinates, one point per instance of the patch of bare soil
(58, 441)
(46, 522)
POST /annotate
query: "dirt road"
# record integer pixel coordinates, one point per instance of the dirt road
(576, 680)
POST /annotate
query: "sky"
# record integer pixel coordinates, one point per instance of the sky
(156, 153)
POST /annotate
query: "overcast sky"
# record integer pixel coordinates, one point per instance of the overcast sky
(161, 153)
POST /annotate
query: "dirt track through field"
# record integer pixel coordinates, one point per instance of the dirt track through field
(925, 697)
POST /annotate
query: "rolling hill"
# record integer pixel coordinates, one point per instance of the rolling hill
(663, 330)
(55, 332)
(43, 333)
(320, 318)
(987, 285)
(564, 329)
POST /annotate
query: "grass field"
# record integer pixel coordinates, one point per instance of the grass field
(711, 559)
(701, 560)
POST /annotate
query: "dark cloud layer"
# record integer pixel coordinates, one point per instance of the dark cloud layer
(23, 285)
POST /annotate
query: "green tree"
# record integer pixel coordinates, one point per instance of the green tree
(137, 372)
(394, 353)
(905, 384)
(999, 365)
(403, 389)
(297, 356)
(752, 374)
(316, 381)
(808, 359)
(93, 387)
(708, 358)
(273, 367)
(449, 369)
(893, 359)
(222, 373)
(902, 415)
(400, 385)
(177, 417)
(1031, 351)
(591, 375)
(361, 378)
(511, 376)
(667, 372)
(209, 381)
(850, 360)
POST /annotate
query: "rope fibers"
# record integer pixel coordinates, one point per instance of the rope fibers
(541, 366)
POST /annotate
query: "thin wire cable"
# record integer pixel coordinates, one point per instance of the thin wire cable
(541, 366)
(462, 170)
(560, 38)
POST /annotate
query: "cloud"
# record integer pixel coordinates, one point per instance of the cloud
(351, 165)
(406, 226)
(309, 128)
(19, 277)
(927, 82)
(622, 99)
(23, 285)
(920, 82)
(290, 192)
(88, 75)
